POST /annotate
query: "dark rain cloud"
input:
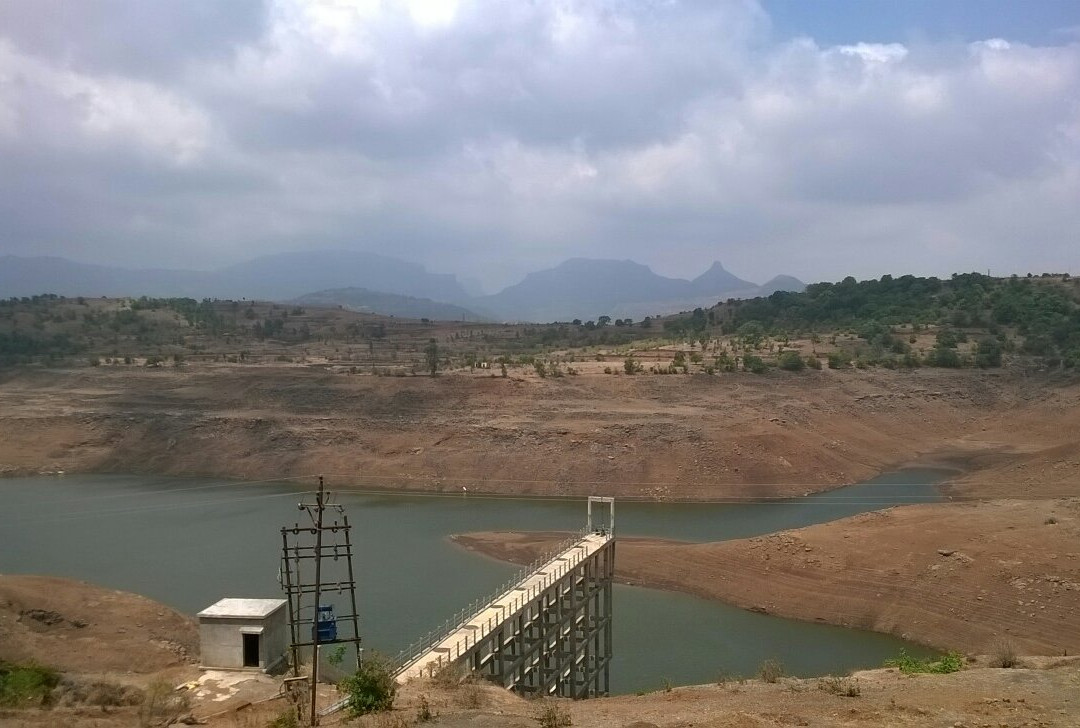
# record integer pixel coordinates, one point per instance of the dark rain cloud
(492, 138)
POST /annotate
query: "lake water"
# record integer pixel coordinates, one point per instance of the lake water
(188, 542)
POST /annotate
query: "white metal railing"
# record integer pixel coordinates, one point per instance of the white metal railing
(471, 613)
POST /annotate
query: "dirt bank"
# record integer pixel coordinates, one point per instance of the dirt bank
(979, 697)
(955, 576)
(644, 436)
(77, 627)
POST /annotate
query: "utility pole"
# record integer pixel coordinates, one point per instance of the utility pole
(297, 551)
(318, 590)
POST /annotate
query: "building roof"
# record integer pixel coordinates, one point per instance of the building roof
(233, 608)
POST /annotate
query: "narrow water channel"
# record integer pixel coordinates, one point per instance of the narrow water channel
(188, 542)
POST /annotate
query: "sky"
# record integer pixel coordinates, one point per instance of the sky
(816, 138)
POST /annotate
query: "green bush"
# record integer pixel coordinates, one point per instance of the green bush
(372, 688)
(26, 684)
(951, 662)
(941, 356)
(988, 353)
(838, 360)
(791, 361)
(813, 362)
(755, 364)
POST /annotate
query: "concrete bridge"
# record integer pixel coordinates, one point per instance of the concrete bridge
(545, 633)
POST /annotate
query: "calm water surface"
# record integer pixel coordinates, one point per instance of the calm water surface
(188, 542)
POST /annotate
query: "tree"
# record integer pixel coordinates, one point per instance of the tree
(751, 333)
(988, 353)
(431, 354)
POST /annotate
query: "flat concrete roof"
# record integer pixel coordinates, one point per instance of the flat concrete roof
(234, 608)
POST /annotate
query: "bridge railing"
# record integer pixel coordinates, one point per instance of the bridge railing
(467, 614)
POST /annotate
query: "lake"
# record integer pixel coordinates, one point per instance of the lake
(188, 542)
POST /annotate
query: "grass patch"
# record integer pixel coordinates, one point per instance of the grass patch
(951, 662)
(26, 685)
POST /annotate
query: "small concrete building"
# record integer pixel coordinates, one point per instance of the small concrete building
(244, 634)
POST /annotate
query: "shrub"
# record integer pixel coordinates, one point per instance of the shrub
(755, 364)
(813, 362)
(447, 675)
(551, 715)
(372, 688)
(26, 684)
(951, 662)
(472, 696)
(942, 356)
(1003, 654)
(771, 670)
(988, 353)
(161, 704)
(837, 360)
(846, 687)
(791, 361)
(284, 719)
(423, 711)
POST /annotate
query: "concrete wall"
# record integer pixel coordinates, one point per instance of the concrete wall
(223, 645)
(275, 640)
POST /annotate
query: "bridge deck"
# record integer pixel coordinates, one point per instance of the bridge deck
(504, 607)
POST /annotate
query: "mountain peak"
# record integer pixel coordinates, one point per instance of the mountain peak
(717, 280)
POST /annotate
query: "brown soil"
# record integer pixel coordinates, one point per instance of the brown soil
(978, 697)
(646, 436)
(77, 627)
(954, 576)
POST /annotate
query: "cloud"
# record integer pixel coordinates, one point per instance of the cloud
(490, 138)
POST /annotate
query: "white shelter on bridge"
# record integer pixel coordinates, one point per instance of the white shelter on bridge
(243, 634)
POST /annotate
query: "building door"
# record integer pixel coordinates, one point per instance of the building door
(251, 650)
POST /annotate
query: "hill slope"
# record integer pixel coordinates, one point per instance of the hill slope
(388, 304)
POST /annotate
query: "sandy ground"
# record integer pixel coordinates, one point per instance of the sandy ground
(956, 576)
(82, 628)
(654, 437)
(973, 698)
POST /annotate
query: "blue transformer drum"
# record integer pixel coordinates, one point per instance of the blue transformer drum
(325, 626)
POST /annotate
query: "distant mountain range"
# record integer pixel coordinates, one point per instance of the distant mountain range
(389, 304)
(270, 277)
(586, 288)
(577, 288)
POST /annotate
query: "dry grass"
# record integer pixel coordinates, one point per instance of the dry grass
(471, 696)
(771, 670)
(550, 715)
(1003, 654)
(162, 704)
(843, 686)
